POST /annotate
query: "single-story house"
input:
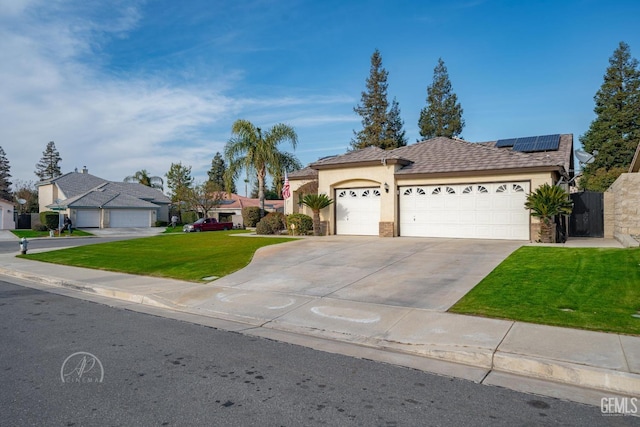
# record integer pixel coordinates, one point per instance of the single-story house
(7, 209)
(440, 187)
(230, 209)
(91, 201)
(622, 205)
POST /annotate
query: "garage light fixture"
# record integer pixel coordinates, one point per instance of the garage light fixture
(386, 187)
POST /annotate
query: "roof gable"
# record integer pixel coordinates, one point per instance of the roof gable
(74, 183)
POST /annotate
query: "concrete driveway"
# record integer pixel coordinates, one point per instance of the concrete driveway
(426, 273)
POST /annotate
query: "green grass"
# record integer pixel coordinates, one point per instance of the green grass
(191, 257)
(29, 234)
(586, 288)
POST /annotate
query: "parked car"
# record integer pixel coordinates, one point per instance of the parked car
(207, 224)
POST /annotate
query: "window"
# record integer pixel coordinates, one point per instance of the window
(502, 188)
(352, 193)
(482, 189)
(408, 192)
(437, 190)
(467, 190)
(518, 188)
(342, 193)
(421, 191)
(451, 190)
(376, 193)
(365, 193)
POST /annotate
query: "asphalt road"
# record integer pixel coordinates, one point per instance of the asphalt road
(160, 371)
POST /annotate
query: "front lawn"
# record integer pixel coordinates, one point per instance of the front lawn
(586, 288)
(192, 256)
(30, 234)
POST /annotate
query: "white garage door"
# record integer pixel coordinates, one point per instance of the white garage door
(481, 211)
(87, 218)
(358, 211)
(119, 218)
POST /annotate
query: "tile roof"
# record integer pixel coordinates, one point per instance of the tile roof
(445, 155)
(305, 173)
(366, 155)
(236, 201)
(75, 183)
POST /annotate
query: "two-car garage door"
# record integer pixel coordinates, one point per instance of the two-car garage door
(484, 211)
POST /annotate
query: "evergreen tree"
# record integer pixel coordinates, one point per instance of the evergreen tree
(218, 173)
(48, 167)
(615, 132)
(5, 184)
(381, 127)
(443, 114)
(395, 130)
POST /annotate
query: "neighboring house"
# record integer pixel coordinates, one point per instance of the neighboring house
(91, 201)
(230, 209)
(6, 215)
(621, 201)
(438, 188)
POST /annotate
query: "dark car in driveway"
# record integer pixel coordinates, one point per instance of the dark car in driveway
(207, 224)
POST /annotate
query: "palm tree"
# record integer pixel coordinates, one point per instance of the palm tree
(143, 177)
(546, 203)
(316, 202)
(251, 149)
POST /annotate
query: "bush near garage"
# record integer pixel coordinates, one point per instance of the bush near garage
(251, 216)
(302, 222)
(50, 219)
(39, 227)
(189, 217)
(272, 223)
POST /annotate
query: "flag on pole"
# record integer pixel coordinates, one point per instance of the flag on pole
(286, 192)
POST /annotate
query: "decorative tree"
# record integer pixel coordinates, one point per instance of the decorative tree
(143, 177)
(380, 127)
(27, 191)
(316, 202)
(179, 182)
(48, 167)
(546, 202)
(205, 196)
(615, 132)
(251, 149)
(5, 184)
(217, 173)
(443, 114)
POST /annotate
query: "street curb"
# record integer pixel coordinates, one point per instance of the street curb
(83, 287)
(557, 371)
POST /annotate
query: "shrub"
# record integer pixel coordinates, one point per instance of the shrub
(43, 217)
(303, 223)
(161, 223)
(39, 227)
(189, 217)
(250, 216)
(272, 223)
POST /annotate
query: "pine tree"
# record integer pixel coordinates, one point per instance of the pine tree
(48, 167)
(380, 127)
(179, 180)
(443, 114)
(5, 184)
(395, 126)
(615, 132)
(218, 172)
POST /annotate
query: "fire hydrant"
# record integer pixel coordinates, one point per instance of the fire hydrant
(23, 245)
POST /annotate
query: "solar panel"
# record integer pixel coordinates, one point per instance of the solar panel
(537, 143)
(505, 142)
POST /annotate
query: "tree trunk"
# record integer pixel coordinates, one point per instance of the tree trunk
(261, 176)
(546, 231)
(316, 223)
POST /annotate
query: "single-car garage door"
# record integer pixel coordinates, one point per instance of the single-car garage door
(358, 211)
(129, 218)
(87, 218)
(481, 211)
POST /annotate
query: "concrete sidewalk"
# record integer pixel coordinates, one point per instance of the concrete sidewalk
(512, 354)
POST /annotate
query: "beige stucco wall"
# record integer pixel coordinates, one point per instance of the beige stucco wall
(47, 194)
(291, 203)
(6, 216)
(622, 206)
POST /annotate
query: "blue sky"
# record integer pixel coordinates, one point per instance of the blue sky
(127, 85)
